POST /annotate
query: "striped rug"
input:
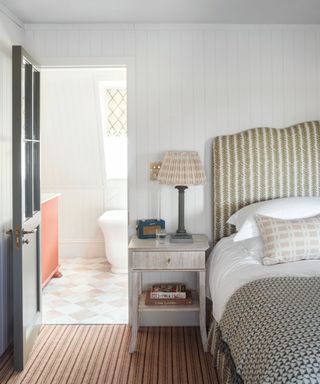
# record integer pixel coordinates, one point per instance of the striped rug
(83, 354)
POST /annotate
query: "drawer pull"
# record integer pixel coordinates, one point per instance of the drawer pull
(168, 260)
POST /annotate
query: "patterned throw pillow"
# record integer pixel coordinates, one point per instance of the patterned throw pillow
(289, 240)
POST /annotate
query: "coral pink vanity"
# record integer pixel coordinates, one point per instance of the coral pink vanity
(49, 236)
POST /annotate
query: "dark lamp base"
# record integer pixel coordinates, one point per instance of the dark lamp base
(181, 238)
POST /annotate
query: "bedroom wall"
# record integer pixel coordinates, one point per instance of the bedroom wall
(11, 32)
(193, 82)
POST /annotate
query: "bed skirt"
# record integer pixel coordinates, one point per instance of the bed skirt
(223, 362)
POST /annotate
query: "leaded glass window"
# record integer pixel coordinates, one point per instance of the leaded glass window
(117, 113)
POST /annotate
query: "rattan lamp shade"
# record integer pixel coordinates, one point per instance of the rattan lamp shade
(181, 168)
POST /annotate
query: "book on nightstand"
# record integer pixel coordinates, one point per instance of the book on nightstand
(165, 301)
(168, 291)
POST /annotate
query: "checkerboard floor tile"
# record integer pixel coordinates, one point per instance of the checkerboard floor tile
(87, 293)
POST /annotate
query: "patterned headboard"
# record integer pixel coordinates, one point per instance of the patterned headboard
(261, 164)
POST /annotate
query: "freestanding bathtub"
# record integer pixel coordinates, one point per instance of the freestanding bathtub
(114, 225)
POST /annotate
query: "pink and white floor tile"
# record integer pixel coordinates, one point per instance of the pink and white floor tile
(87, 293)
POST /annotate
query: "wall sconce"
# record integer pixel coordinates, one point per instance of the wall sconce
(154, 170)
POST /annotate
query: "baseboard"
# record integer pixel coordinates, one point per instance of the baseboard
(81, 248)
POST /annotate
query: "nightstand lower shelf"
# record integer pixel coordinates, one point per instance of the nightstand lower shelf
(194, 307)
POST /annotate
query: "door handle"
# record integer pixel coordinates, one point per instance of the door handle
(17, 235)
(29, 232)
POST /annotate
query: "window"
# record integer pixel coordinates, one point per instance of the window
(115, 133)
(116, 113)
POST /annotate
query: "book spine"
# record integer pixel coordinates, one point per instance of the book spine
(168, 295)
(169, 302)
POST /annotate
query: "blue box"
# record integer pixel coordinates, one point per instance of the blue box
(146, 229)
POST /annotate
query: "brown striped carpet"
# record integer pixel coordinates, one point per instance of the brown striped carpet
(83, 354)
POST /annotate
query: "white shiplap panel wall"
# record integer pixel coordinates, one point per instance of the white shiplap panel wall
(10, 33)
(193, 83)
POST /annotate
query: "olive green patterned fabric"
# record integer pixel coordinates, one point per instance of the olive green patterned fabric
(262, 164)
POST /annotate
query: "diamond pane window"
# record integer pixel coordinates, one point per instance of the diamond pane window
(117, 113)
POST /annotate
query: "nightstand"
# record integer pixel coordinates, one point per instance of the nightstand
(145, 255)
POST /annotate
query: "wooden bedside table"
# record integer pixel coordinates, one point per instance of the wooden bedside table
(145, 255)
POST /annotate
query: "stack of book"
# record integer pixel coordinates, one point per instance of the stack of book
(168, 294)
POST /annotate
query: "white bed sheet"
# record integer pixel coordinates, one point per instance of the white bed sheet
(233, 264)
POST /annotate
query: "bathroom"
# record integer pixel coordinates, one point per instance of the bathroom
(84, 175)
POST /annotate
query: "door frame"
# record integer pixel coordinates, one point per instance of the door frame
(112, 62)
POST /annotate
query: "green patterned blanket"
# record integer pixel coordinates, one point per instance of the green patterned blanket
(272, 328)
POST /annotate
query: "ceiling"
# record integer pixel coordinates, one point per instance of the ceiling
(166, 11)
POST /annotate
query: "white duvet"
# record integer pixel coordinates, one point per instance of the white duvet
(233, 264)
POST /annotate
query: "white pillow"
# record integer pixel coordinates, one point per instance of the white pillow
(286, 208)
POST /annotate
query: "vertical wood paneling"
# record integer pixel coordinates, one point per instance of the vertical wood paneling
(106, 43)
(74, 43)
(164, 119)
(142, 121)
(118, 43)
(85, 46)
(300, 67)
(288, 74)
(196, 193)
(219, 84)
(175, 125)
(277, 76)
(153, 98)
(95, 43)
(232, 85)
(255, 77)
(266, 101)
(311, 73)
(194, 83)
(62, 44)
(129, 43)
(244, 70)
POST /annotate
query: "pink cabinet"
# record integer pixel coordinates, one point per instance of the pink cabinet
(50, 237)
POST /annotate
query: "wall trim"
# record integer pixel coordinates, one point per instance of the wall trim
(80, 241)
(167, 27)
(218, 27)
(90, 61)
(80, 26)
(81, 248)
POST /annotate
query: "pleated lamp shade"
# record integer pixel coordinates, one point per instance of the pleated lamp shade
(181, 168)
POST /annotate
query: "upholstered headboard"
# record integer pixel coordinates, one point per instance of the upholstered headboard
(261, 164)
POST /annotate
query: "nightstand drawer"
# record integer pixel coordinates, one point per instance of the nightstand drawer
(168, 260)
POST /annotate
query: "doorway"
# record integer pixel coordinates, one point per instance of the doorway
(84, 130)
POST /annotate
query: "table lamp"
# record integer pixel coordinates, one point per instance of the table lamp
(181, 169)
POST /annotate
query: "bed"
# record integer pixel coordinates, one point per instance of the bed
(265, 323)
